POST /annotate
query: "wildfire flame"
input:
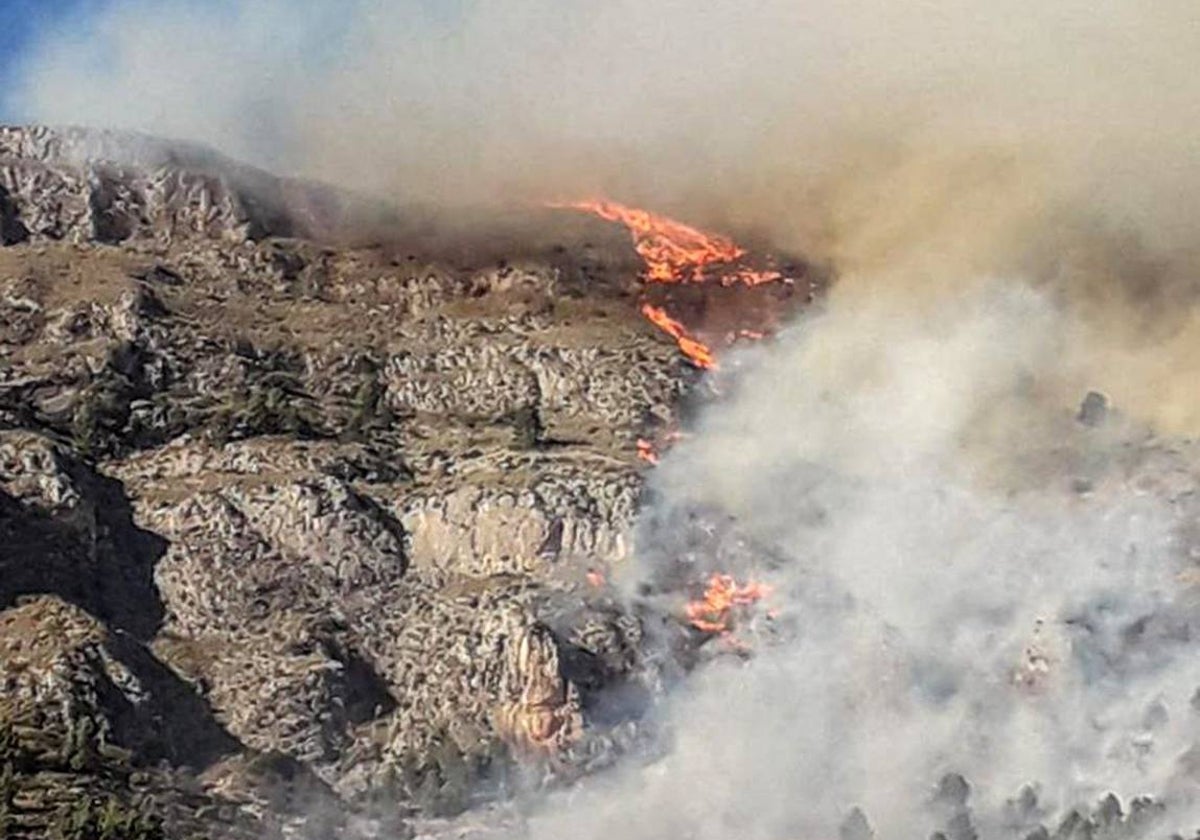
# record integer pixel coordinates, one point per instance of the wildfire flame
(651, 451)
(646, 451)
(700, 353)
(715, 612)
(677, 253)
(673, 252)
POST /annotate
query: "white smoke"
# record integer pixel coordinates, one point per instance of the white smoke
(956, 599)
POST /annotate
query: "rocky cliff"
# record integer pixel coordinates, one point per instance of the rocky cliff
(295, 529)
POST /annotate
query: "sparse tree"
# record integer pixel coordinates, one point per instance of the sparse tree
(8, 794)
(368, 409)
(527, 427)
(80, 745)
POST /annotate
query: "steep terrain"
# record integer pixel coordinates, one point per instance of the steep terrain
(294, 530)
(308, 506)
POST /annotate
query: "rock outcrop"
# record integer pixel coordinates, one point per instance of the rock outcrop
(295, 532)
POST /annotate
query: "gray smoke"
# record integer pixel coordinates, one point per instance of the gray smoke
(914, 144)
(957, 600)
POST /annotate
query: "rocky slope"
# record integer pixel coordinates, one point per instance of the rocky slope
(295, 530)
(304, 501)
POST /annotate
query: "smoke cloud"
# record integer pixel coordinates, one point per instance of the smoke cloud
(400, 95)
(911, 144)
(969, 581)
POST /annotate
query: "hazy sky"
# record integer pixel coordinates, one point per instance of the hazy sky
(22, 24)
(93, 29)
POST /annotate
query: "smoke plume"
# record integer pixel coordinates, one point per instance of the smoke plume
(969, 582)
(911, 144)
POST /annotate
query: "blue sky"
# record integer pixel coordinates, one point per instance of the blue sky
(21, 24)
(24, 23)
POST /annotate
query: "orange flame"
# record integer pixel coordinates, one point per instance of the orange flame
(651, 451)
(700, 353)
(646, 451)
(673, 251)
(714, 612)
(677, 253)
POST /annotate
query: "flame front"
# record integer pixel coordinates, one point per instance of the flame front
(715, 612)
(673, 252)
(677, 253)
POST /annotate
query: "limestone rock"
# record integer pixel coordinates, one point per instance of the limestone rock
(288, 519)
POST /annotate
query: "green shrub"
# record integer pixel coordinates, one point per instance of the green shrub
(368, 408)
(91, 819)
(273, 405)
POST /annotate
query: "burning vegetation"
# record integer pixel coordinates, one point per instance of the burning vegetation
(675, 252)
(677, 255)
(314, 503)
(716, 612)
(700, 353)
